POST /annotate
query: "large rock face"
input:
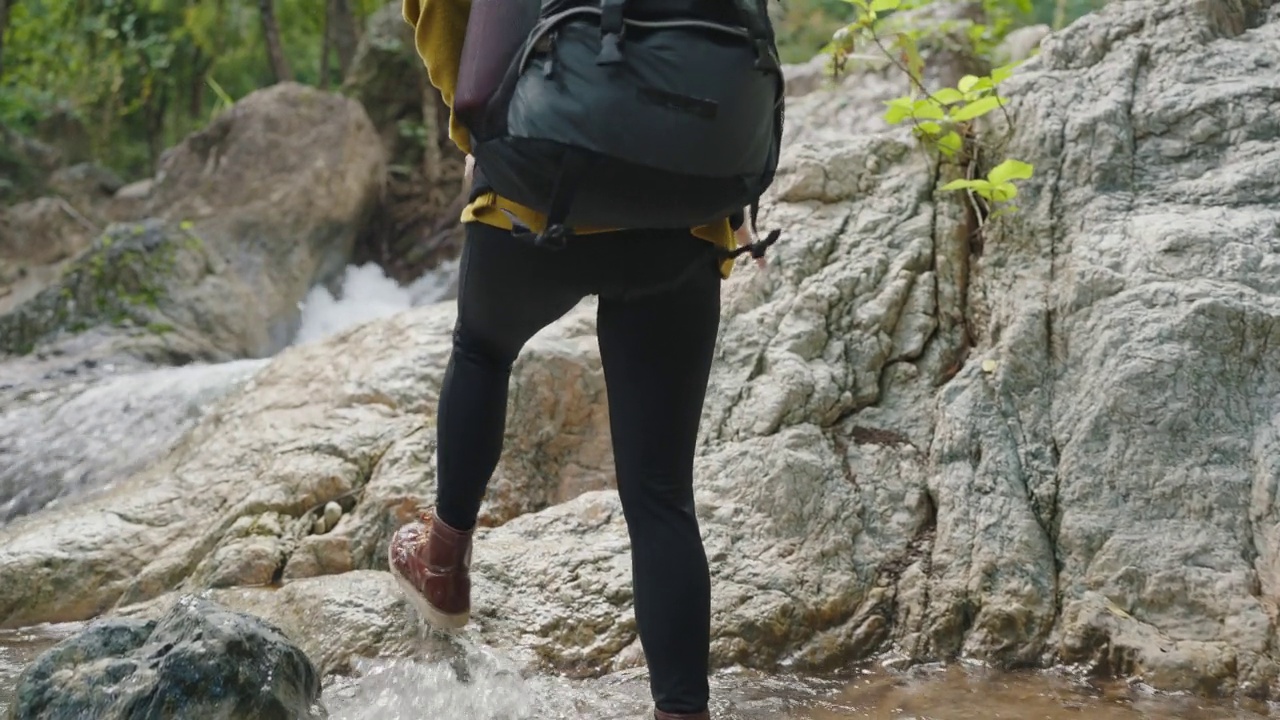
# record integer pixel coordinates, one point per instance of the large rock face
(347, 421)
(198, 660)
(243, 218)
(1048, 442)
(1133, 415)
(210, 263)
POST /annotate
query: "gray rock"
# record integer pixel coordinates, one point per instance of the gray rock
(85, 184)
(25, 165)
(386, 78)
(805, 78)
(1102, 495)
(1021, 44)
(243, 218)
(211, 514)
(198, 660)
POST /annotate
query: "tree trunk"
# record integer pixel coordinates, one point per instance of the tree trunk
(4, 26)
(195, 96)
(1060, 15)
(342, 31)
(432, 158)
(325, 33)
(155, 113)
(271, 34)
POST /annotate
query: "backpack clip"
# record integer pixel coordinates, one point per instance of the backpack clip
(555, 237)
(765, 59)
(612, 31)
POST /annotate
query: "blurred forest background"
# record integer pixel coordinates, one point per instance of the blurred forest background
(118, 81)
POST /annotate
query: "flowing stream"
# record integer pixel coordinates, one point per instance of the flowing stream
(64, 439)
(481, 684)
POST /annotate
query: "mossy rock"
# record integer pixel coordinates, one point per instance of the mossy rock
(25, 165)
(122, 281)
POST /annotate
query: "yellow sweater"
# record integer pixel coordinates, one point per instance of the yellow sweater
(440, 27)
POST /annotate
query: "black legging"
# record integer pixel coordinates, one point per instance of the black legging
(656, 349)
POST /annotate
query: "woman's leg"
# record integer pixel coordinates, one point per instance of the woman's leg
(507, 292)
(657, 354)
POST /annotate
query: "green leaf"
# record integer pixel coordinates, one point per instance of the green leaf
(884, 5)
(980, 89)
(1002, 73)
(899, 110)
(930, 128)
(1010, 170)
(927, 110)
(896, 114)
(977, 108)
(967, 83)
(979, 186)
(948, 96)
(950, 144)
(1004, 191)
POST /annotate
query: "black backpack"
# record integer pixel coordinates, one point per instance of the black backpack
(634, 114)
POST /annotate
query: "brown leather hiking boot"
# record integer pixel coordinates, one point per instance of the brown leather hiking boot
(660, 715)
(431, 562)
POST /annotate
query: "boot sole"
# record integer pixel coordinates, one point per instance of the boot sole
(435, 618)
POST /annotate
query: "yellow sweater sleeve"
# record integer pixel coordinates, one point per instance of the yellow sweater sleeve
(440, 26)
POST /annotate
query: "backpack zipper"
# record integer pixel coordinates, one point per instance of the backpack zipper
(542, 29)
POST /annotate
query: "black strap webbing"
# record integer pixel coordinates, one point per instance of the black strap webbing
(756, 21)
(573, 167)
(612, 29)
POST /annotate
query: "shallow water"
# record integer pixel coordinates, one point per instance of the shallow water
(478, 683)
(18, 648)
(67, 440)
(403, 690)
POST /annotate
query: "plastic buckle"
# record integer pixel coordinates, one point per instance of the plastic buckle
(610, 50)
(555, 237)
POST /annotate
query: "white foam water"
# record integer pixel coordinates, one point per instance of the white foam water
(368, 294)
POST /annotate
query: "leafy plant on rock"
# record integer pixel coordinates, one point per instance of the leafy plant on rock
(945, 120)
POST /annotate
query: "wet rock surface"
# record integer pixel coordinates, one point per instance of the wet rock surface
(59, 439)
(198, 660)
(349, 420)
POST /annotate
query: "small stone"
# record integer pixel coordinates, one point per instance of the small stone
(332, 513)
(320, 527)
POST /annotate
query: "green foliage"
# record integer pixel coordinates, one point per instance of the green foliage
(803, 27)
(141, 74)
(945, 120)
(138, 75)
